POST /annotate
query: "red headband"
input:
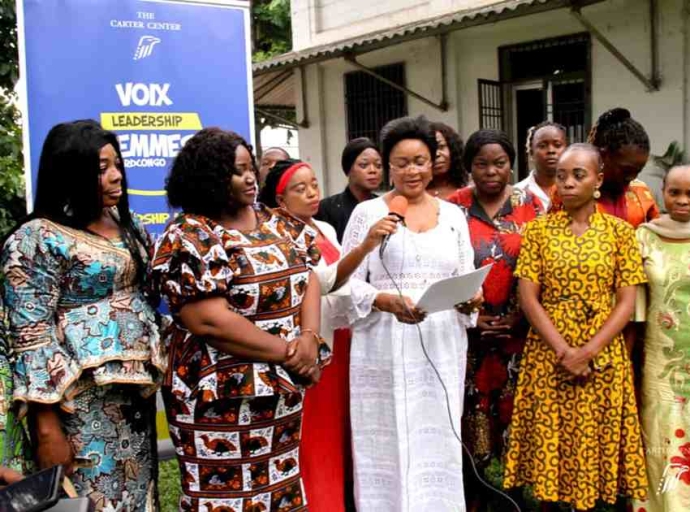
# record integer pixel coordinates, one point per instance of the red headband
(289, 173)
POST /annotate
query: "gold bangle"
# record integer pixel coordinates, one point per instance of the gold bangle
(318, 338)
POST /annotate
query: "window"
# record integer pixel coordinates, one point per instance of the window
(370, 103)
(490, 105)
(540, 80)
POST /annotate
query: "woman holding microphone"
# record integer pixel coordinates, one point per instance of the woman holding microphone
(407, 456)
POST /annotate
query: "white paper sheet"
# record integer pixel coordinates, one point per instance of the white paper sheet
(446, 293)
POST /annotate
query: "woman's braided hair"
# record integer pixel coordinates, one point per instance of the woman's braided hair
(534, 129)
(615, 128)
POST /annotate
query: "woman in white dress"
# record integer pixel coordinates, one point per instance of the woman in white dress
(406, 454)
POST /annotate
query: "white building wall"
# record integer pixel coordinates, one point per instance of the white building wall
(423, 75)
(626, 24)
(473, 54)
(318, 22)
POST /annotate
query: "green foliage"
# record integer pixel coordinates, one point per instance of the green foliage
(9, 69)
(12, 205)
(673, 156)
(169, 485)
(12, 202)
(271, 27)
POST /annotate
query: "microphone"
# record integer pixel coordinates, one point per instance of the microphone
(397, 207)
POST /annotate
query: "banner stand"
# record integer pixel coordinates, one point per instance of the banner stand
(152, 71)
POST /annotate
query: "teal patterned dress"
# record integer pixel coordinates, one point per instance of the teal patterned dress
(85, 337)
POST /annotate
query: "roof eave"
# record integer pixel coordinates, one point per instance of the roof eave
(436, 26)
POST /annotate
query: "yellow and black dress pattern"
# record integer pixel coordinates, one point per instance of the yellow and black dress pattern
(577, 442)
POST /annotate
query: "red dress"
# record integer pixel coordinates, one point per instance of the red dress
(492, 367)
(326, 455)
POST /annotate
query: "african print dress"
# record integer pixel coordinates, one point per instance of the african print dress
(86, 338)
(577, 442)
(235, 423)
(666, 373)
(492, 366)
(636, 205)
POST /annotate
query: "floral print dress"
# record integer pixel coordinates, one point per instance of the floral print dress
(86, 338)
(577, 442)
(666, 373)
(492, 367)
(235, 423)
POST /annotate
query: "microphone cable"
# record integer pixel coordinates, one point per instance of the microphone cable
(447, 397)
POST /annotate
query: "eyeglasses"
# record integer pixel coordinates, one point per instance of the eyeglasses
(419, 165)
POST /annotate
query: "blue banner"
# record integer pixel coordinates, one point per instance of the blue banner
(153, 71)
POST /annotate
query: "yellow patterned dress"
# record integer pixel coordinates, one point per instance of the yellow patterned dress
(577, 443)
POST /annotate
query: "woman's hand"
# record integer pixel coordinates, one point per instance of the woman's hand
(302, 356)
(576, 362)
(492, 327)
(498, 327)
(53, 449)
(386, 226)
(402, 307)
(471, 306)
(9, 476)
(314, 377)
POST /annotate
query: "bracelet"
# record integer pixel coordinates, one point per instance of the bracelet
(317, 337)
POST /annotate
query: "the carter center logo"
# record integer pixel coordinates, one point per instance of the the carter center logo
(145, 47)
(674, 473)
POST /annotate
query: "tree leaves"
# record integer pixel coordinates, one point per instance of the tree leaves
(12, 203)
(9, 55)
(271, 29)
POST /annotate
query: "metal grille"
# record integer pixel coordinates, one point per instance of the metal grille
(544, 58)
(371, 103)
(490, 104)
(563, 65)
(568, 107)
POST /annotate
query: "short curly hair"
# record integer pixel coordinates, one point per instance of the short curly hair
(404, 128)
(457, 172)
(481, 138)
(199, 180)
(587, 148)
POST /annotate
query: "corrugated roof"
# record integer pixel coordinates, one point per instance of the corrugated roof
(275, 89)
(446, 23)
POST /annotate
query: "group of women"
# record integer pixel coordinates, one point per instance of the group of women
(298, 371)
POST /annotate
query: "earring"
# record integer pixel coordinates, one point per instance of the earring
(597, 194)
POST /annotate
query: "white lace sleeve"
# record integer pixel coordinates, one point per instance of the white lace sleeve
(363, 293)
(327, 274)
(465, 259)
